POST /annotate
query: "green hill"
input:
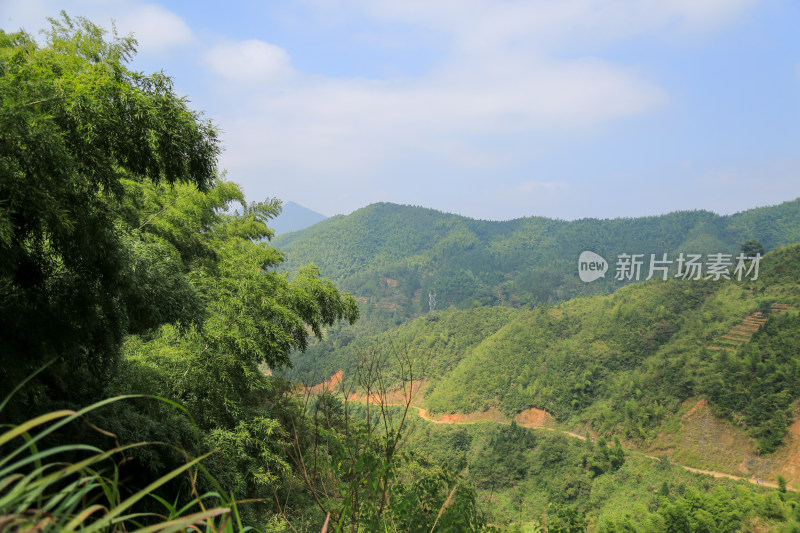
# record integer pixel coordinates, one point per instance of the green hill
(393, 256)
(704, 372)
(583, 359)
(621, 364)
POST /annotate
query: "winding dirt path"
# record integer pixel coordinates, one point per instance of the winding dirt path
(532, 418)
(426, 416)
(449, 419)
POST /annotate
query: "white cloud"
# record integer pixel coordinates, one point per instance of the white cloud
(155, 28)
(487, 23)
(250, 61)
(355, 126)
(511, 69)
(510, 72)
(708, 13)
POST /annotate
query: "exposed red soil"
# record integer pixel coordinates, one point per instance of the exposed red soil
(534, 418)
(701, 404)
(530, 418)
(328, 385)
(490, 415)
(700, 425)
(389, 282)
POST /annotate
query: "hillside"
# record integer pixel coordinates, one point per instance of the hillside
(524, 476)
(145, 320)
(629, 364)
(393, 256)
(700, 372)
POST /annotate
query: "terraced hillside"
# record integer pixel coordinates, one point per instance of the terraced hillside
(742, 333)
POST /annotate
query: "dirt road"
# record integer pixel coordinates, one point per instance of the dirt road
(536, 419)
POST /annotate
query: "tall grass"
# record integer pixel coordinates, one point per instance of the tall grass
(45, 488)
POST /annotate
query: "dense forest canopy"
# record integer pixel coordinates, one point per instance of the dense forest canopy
(114, 218)
(75, 125)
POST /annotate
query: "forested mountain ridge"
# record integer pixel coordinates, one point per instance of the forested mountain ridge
(660, 365)
(398, 254)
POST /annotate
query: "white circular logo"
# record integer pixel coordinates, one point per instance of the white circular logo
(591, 266)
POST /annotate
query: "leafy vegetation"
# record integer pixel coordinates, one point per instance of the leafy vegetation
(437, 342)
(41, 493)
(557, 483)
(74, 123)
(758, 384)
(123, 261)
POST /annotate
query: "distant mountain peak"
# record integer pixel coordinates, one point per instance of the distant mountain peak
(295, 217)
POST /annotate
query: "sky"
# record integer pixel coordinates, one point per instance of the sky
(494, 109)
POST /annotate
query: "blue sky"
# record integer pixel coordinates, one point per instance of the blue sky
(494, 109)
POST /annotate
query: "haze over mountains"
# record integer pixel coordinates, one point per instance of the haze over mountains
(294, 217)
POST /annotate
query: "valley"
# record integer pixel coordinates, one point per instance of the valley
(702, 374)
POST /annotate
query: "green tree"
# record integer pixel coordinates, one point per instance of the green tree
(74, 120)
(751, 248)
(116, 238)
(252, 315)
